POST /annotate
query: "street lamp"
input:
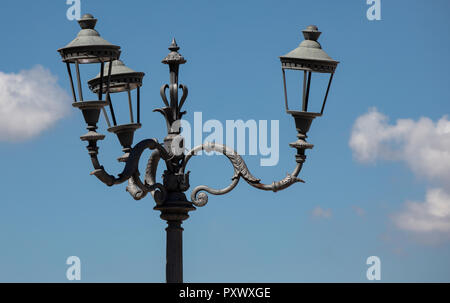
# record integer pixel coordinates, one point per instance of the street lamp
(310, 58)
(169, 195)
(89, 48)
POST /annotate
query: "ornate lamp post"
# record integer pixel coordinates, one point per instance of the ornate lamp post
(169, 195)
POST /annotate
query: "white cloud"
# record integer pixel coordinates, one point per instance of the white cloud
(319, 212)
(424, 145)
(30, 102)
(433, 215)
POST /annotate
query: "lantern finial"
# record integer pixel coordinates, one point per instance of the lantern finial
(311, 33)
(87, 21)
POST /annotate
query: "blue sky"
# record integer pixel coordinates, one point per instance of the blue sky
(50, 208)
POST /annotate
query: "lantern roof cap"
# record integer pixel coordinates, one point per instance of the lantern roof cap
(88, 46)
(117, 68)
(309, 55)
(122, 78)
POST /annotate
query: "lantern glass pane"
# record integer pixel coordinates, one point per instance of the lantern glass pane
(306, 90)
(87, 71)
(317, 91)
(121, 104)
(294, 88)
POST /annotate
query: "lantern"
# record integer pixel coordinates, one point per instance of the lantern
(309, 58)
(122, 79)
(89, 48)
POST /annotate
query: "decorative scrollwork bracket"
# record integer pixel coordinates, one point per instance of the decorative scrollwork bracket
(200, 198)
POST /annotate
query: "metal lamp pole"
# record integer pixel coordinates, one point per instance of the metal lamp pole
(115, 77)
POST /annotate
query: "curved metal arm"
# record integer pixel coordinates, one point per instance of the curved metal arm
(199, 198)
(183, 97)
(131, 167)
(139, 189)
